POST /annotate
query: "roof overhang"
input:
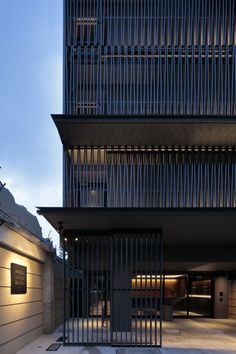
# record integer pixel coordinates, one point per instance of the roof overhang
(143, 130)
(180, 226)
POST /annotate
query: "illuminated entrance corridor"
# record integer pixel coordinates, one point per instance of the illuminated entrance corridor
(184, 295)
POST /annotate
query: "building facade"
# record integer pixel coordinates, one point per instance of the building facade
(148, 132)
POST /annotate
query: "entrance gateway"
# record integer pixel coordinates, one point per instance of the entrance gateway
(113, 288)
(116, 278)
(116, 293)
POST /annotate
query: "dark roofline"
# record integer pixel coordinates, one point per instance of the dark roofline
(184, 118)
(179, 210)
(146, 130)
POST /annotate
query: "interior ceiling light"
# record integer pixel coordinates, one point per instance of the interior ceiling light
(167, 276)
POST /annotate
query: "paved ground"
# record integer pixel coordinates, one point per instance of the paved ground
(182, 336)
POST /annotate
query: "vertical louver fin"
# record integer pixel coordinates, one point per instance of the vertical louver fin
(98, 177)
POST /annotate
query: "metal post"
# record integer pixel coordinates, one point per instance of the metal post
(161, 286)
(61, 234)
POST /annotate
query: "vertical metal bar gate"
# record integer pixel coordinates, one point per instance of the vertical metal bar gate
(113, 288)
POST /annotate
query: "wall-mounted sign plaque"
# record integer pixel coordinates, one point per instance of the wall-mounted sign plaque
(18, 279)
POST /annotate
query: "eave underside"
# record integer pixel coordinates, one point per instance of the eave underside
(146, 130)
(193, 239)
(179, 226)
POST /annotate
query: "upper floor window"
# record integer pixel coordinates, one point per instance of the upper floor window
(87, 30)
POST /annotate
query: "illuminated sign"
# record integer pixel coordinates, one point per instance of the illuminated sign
(18, 279)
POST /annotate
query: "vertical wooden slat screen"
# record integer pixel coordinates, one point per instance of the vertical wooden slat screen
(150, 177)
(150, 56)
(114, 287)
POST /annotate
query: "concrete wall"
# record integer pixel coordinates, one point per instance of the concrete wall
(58, 293)
(21, 315)
(24, 317)
(52, 293)
(232, 299)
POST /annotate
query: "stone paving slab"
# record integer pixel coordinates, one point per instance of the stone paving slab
(31, 349)
(137, 351)
(195, 351)
(206, 336)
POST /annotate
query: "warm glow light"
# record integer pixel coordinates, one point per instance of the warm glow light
(201, 296)
(158, 276)
(11, 257)
(145, 280)
(87, 21)
(87, 105)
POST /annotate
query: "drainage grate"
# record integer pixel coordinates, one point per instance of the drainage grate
(53, 347)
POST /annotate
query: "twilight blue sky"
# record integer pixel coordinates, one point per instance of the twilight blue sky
(30, 90)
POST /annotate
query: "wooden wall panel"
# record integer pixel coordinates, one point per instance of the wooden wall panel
(232, 299)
